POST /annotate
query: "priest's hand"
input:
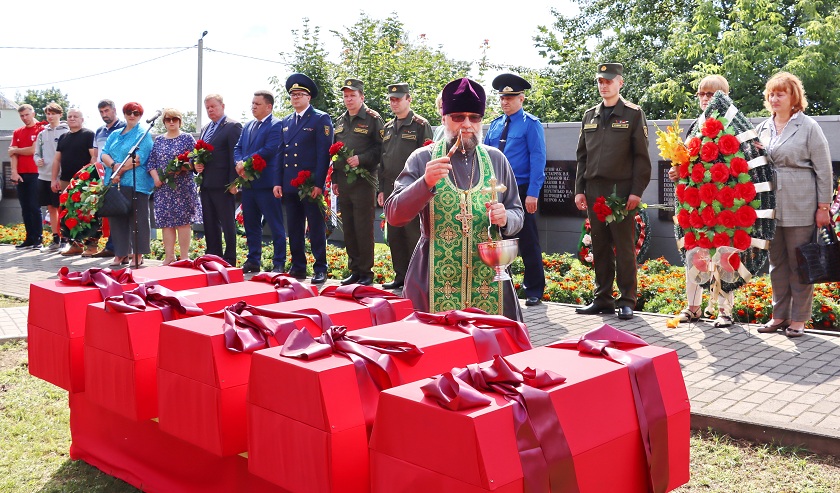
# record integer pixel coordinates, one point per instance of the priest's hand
(497, 213)
(436, 170)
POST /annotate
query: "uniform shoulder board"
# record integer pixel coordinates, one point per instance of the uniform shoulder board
(632, 106)
(419, 119)
(373, 113)
(531, 117)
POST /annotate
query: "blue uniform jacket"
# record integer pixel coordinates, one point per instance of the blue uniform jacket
(525, 148)
(306, 146)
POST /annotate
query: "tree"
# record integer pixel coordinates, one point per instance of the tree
(40, 99)
(187, 125)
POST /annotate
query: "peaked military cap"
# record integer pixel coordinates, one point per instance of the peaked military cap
(300, 82)
(510, 84)
(609, 70)
(398, 90)
(354, 84)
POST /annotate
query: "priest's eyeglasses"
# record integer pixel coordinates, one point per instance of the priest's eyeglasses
(460, 117)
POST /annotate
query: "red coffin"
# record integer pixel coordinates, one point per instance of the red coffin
(57, 314)
(307, 431)
(202, 385)
(418, 446)
(121, 348)
(140, 454)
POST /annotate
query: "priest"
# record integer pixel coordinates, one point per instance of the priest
(458, 195)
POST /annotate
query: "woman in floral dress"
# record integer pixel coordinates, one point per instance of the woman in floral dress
(175, 208)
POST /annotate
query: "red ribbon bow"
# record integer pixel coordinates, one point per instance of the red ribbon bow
(108, 281)
(483, 328)
(381, 312)
(609, 342)
(544, 451)
(207, 263)
(144, 295)
(250, 328)
(372, 359)
(288, 288)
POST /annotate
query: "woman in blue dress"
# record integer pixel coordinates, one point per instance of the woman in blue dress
(175, 208)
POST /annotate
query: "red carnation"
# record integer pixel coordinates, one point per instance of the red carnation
(711, 128)
(258, 162)
(738, 165)
(728, 144)
(692, 197)
(84, 175)
(695, 220)
(679, 191)
(719, 172)
(709, 152)
(746, 216)
(694, 146)
(709, 217)
(428, 142)
(306, 174)
(76, 197)
(335, 148)
(63, 197)
(683, 170)
(689, 241)
(683, 219)
(746, 191)
(741, 239)
(726, 197)
(727, 219)
(698, 172)
(86, 218)
(79, 213)
(708, 193)
(71, 222)
(62, 213)
(703, 241)
(735, 262)
(721, 240)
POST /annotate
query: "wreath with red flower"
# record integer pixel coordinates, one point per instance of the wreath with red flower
(724, 196)
(642, 239)
(79, 202)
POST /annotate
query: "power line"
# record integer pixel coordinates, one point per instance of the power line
(100, 73)
(245, 56)
(89, 48)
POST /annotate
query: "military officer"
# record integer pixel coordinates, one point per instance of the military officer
(361, 131)
(520, 136)
(307, 136)
(612, 154)
(403, 135)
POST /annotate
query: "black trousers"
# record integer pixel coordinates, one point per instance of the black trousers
(218, 208)
(529, 249)
(27, 191)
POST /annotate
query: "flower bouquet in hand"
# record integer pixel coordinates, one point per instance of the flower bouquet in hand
(180, 164)
(339, 151)
(254, 167)
(201, 154)
(612, 208)
(305, 184)
(670, 144)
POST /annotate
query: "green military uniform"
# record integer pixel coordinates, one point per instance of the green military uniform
(612, 153)
(362, 134)
(402, 137)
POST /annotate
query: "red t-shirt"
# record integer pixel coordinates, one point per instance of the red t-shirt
(23, 138)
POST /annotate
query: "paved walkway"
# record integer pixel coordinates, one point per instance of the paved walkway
(758, 386)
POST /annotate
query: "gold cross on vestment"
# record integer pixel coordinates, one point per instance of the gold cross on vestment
(494, 190)
(465, 216)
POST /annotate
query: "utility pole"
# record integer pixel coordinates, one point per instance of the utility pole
(198, 105)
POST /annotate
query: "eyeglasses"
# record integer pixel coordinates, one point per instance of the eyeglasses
(458, 118)
(700, 94)
(132, 113)
(298, 94)
(171, 120)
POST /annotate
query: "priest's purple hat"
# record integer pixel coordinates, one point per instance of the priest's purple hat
(463, 96)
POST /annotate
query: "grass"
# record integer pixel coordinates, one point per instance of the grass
(11, 301)
(34, 457)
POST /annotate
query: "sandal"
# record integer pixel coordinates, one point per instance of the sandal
(791, 332)
(723, 321)
(690, 316)
(118, 261)
(770, 327)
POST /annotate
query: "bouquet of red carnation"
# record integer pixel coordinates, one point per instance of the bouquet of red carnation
(202, 153)
(612, 208)
(180, 164)
(80, 201)
(254, 167)
(339, 151)
(428, 142)
(305, 184)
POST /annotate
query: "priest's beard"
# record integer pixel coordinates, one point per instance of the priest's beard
(470, 142)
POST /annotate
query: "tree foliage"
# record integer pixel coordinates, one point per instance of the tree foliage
(187, 125)
(40, 99)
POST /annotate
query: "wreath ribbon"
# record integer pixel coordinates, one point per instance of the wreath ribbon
(108, 281)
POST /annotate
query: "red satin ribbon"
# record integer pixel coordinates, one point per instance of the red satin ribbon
(207, 264)
(288, 288)
(381, 312)
(250, 328)
(483, 328)
(168, 302)
(609, 342)
(108, 281)
(372, 359)
(547, 464)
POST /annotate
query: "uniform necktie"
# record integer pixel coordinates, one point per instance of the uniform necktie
(210, 131)
(297, 119)
(503, 138)
(254, 132)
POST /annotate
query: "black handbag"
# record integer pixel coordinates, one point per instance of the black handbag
(115, 202)
(819, 261)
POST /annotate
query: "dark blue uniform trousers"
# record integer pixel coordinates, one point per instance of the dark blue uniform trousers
(256, 204)
(298, 212)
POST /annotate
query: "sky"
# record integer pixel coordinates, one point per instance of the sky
(242, 48)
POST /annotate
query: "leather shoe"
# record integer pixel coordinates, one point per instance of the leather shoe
(300, 276)
(248, 268)
(25, 244)
(393, 284)
(319, 278)
(365, 281)
(532, 301)
(593, 309)
(353, 279)
(625, 313)
(277, 270)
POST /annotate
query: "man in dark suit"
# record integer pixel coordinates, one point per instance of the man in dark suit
(218, 204)
(307, 136)
(262, 136)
